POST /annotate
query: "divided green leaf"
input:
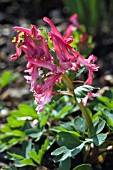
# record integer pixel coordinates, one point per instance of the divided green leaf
(82, 91)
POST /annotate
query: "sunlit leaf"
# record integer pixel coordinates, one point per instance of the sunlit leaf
(27, 162)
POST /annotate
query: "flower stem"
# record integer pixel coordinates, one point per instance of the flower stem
(83, 109)
(85, 113)
(67, 82)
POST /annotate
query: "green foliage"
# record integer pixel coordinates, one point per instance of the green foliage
(59, 109)
(66, 164)
(72, 136)
(29, 155)
(105, 107)
(63, 153)
(80, 124)
(83, 166)
(26, 110)
(94, 132)
(68, 138)
(69, 134)
(20, 127)
(7, 77)
(82, 91)
(38, 157)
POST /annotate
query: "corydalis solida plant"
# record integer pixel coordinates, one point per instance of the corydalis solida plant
(39, 57)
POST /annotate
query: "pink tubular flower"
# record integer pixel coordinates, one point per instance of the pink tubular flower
(18, 49)
(54, 29)
(74, 20)
(69, 30)
(83, 38)
(67, 61)
(89, 96)
(33, 31)
(40, 63)
(61, 49)
(56, 32)
(43, 93)
(89, 65)
(73, 26)
(45, 48)
(33, 75)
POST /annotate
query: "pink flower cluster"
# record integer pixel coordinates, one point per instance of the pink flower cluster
(73, 26)
(39, 58)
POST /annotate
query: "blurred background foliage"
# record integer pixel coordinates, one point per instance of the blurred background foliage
(92, 13)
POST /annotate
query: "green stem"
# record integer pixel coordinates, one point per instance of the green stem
(83, 109)
(85, 113)
(67, 82)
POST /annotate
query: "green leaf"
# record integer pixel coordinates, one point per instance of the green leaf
(66, 164)
(83, 167)
(100, 107)
(63, 129)
(27, 147)
(80, 71)
(6, 128)
(26, 125)
(108, 102)
(27, 162)
(96, 127)
(43, 149)
(3, 147)
(59, 151)
(82, 91)
(15, 141)
(43, 120)
(34, 133)
(5, 78)
(57, 158)
(109, 117)
(33, 155)
(67, 126)
(80, 124)
(18, 133)
(8, 77)
(110, 120)
(67, 139)
(77, 150)
(63, 151)
(100, 127)
(64, 111)
(14, 122)
(67, 154)
(16, 156)
(26, 110)
(15, 113)
(94, 132)
(99, 139)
